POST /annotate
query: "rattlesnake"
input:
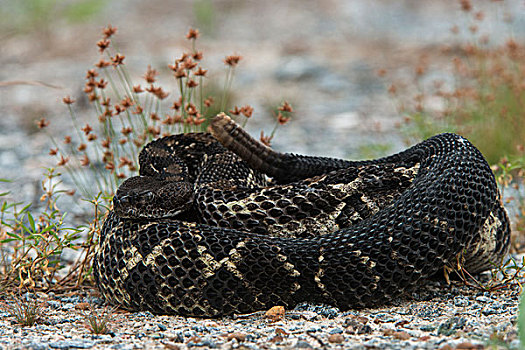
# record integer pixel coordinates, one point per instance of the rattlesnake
(201, 232)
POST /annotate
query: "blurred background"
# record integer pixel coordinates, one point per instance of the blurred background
(365, 78)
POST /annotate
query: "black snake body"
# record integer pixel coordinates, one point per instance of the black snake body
(344, 233)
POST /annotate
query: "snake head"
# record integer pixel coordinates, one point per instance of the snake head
(147, 197)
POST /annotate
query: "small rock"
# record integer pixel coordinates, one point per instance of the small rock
(446, 347)
(483, 299)
(401, 335)
(82, 306)
(336, 338)
(468, 346)
(276, 313)
(277, 339)
(451, 325)
(194, 340)
(240, 337)
(71, 344)
(302, 345)
(336, 331)
(171, 346)
(280, 331)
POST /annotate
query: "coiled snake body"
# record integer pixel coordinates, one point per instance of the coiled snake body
(201, 233)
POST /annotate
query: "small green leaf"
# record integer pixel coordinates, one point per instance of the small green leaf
(31, 221)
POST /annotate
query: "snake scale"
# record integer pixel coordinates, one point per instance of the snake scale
(218, 224)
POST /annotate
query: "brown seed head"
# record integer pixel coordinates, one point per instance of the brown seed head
(176, 105)
(191, 109)
(92, 97)
(82, 147)
(84, 160)
(109, 31)
(168, 120)
(101, 84)
(124, 161)
(122, 141)
(247, 111)
(126, 102)
(102, 63)
(480, 15)
(53, 151)
(138, 109)
(110, 166)
(192, 83)
(286, 107)
(235, 111)
(103, 45)
(189, 64)
(180, 73)
(392, 89)
(232, 60)
(150, 75)
(282, 119)
(42, 123)
(465, 5)
(106, 143)
(154, 116)
(208, 101)
(68, 100)
(126, 130)
(137, 89)
(174, 67)
(200, 72)
(197, 56)
(158, 92)
(199, 119)
(63, 161)
(511, 45)
(154, 130)
(118, 59)
(192, 34)
(92, 73)
(118, 109)
(67, 140)
(91, 137)
(266, 140)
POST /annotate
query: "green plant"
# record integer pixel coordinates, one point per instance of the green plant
(483, 101)
(98, 322)
(26, 312)
(31, 243)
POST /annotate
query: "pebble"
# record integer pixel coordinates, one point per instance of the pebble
(71, 344)
(336, 338)
(302, 345)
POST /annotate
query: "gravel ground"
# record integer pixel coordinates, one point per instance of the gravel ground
(321, 56)
(438, 316)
